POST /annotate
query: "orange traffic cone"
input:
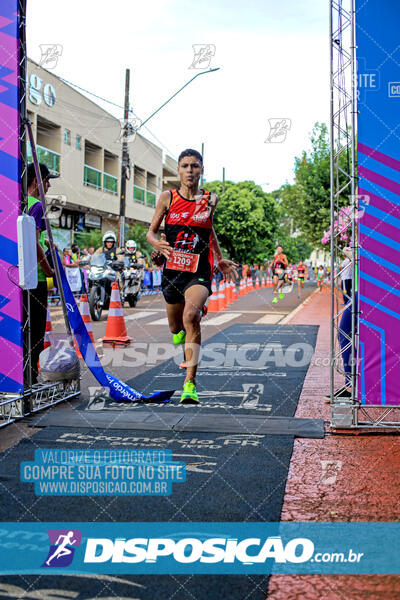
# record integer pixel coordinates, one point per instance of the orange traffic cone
(257, 285)
(221, 296)
(85, 313)
(213, 302)
(241, 288)
(48, 335)
(116, 334)
(262, 282)
(234, 291)
(228, 291)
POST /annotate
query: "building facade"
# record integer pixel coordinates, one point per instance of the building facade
(81, 142)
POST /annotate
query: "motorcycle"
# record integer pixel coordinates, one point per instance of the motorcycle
(101, 276)
(131, 280)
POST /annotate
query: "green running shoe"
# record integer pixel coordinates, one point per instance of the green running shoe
(281, 296)
(179, 338)
(275, 300)
(189, 394)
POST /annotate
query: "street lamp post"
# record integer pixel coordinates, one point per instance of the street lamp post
(173, 96)
(125, 155)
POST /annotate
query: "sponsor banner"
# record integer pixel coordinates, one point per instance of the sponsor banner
(378, 164)
(11, 347)
(200, 548)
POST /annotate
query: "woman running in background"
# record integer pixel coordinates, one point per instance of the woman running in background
(320, 277)
(279, 265)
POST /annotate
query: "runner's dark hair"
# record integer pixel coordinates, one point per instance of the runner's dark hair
(190, 152)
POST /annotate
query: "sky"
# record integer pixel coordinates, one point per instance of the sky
(273, 59)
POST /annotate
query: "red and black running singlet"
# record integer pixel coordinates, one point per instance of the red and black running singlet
(188, 226)
(301, 270)
(278, 266)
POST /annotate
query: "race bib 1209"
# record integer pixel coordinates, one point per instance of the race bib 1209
(181, 261)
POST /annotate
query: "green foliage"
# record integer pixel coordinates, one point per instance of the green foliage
(94, 238)
(246, 220)
(86, 239)
(307, 201)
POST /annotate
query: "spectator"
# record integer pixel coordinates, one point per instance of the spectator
(72, 270)
(36, 315)
(76, 255)
(346, 275)
(67, 259)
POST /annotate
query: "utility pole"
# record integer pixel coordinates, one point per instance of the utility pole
(125, 164)
(202, 175)
(223, 180)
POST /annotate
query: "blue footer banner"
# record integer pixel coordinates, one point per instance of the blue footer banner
(200, 548)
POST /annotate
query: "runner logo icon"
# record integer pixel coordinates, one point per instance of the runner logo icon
(186, 241)
(62, 547)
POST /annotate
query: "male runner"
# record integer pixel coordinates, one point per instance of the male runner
(279, 264)
(301, 277)
(190, 248)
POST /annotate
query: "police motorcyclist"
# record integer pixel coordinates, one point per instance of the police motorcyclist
(132, 254)
(109, 247)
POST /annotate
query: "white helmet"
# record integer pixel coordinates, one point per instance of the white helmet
(130, 246)
(109, 235)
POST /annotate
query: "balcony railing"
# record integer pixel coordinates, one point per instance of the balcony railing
(150, 199)
(92, 177)
(139, 194)
(110, 183)
(50, 158)
(144, 196)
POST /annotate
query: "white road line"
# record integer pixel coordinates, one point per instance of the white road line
(163, 321)
(140, 315)
(215, 321)
(220, 319)
(266, 319)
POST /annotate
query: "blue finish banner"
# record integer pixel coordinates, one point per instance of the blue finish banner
(118, 389)
(200, 548)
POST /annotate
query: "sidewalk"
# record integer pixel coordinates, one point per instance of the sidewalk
(339, 478)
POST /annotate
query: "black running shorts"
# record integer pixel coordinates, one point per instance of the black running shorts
(175, 283)
(280, 276)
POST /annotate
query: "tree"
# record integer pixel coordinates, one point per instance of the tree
(86, 239)
(307, 201)
(245, 221)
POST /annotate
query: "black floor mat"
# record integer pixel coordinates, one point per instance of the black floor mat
(199, 421)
